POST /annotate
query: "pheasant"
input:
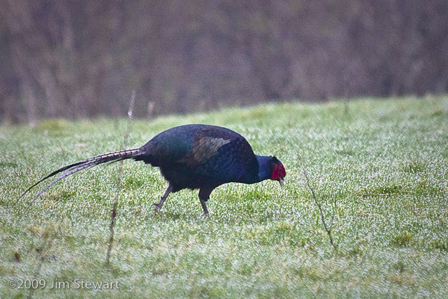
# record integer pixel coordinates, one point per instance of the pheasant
(192, 156)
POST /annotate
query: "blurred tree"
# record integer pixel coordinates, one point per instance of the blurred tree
(67, 58)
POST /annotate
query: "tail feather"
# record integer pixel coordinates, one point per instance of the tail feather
(78, 166)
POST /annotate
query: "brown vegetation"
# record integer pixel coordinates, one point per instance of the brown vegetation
(62, 58)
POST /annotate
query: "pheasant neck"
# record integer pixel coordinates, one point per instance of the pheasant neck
(264, 169)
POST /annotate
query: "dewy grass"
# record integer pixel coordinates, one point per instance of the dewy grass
(384, 163)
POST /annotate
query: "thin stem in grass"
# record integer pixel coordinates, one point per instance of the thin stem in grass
(119, 175)
(111, 227)
(319, 205)
(311, 190)
(43, 255)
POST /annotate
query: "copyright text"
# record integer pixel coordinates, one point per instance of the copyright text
(75, 284)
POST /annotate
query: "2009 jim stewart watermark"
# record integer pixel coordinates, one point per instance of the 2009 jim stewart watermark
(75, 284)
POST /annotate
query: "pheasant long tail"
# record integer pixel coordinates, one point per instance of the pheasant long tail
(75, 167)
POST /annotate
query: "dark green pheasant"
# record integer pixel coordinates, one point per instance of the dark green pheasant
(191, 156)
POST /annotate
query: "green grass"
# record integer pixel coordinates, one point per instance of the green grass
(379, 171)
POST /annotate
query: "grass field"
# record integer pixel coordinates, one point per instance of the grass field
(379, 171)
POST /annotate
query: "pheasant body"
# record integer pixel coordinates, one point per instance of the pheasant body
(192, 156)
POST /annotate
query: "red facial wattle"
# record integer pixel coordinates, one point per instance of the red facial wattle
(279, 173)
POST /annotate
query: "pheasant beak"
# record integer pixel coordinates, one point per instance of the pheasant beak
(281, 181)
